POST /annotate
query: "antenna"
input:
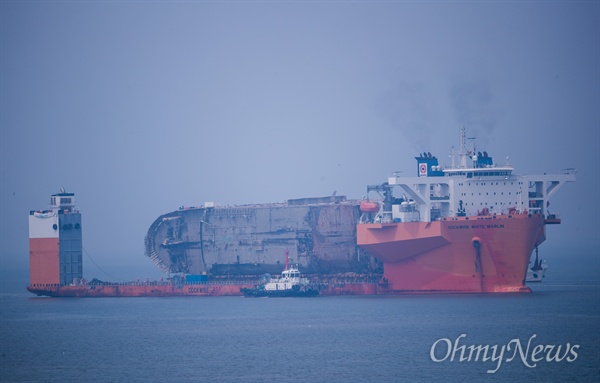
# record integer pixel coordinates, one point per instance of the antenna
(462, 155)
(472, 140)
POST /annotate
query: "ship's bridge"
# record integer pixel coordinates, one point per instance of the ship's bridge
(63, 201)
(471, 185)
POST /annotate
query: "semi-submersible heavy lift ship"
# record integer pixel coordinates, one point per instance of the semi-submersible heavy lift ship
(470, 227)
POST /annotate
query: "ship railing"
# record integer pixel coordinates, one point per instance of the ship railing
(164, 283)
(344, 279)
(223, 282)
(44, 285)
(130, 283)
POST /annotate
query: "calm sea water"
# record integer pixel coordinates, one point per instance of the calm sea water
(324, 339)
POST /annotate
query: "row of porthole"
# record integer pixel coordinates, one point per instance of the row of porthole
(67, 226)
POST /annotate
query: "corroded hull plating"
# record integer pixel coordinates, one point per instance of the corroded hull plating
(318, 233)
(466, 254)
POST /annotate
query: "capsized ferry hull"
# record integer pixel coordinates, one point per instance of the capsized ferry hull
(478, 254)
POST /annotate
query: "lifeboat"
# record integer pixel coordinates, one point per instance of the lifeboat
(369, 207)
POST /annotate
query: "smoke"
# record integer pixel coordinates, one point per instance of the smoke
(408, 108)
(473, 104)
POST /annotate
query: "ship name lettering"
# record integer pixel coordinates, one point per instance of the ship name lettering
(490, 226)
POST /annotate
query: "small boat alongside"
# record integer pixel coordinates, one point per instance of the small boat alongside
(290, 284)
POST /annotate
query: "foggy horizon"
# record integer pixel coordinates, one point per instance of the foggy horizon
(140, 108)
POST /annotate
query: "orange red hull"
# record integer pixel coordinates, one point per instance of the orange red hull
(168, 290)
(478, 254)
(140, 290)
(44, 260)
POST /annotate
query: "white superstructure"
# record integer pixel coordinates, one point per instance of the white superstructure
(472, 185)
(289, 278)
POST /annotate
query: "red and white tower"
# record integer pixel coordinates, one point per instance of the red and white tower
(55, 246)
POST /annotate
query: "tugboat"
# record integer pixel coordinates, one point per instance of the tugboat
(290, 284)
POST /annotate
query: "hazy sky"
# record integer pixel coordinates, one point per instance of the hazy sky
(142, 107)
